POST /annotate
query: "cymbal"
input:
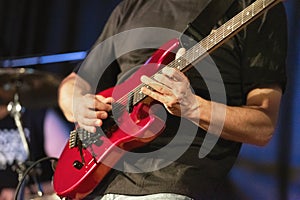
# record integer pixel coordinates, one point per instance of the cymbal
(36, 89)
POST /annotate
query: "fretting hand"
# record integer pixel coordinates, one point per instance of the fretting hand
(172, 88)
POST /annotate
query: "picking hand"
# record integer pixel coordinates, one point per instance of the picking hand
(90, 110)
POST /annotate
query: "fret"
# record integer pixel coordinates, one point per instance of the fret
(258, 5)
(219, 35)
(211, 40)
(223, 33)
(197, 50)
(173, 64)
(187, 58)
(179, 63)
(236, 24)
(203, 43)
(232, 24)
(246, 14)
(243, 16)
(194, 55)
(206, 42)
(227, 29)
(215, 41)
(185, 61)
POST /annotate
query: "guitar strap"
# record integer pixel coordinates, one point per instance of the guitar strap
(204, 22)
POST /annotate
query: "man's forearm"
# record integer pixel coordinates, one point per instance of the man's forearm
(69, 89)
(252, 124)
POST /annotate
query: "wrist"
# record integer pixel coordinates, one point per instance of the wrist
(195, 110)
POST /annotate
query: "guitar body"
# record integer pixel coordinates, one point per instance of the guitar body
(79, 170)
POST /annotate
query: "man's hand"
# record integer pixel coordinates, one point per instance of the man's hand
(80, 106)
(90, 110)
(172, 88)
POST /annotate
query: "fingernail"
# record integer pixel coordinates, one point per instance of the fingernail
(145, 79)
(104, 115)
(98, 123)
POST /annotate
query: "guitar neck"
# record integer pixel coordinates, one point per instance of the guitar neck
(213, 40)
(223, 33)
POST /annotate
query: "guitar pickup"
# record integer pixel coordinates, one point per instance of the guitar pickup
(129, 106)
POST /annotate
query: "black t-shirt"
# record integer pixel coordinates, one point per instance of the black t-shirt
(255, 57)
(12, 150)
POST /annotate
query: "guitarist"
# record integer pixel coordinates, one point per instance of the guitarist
(252, 67)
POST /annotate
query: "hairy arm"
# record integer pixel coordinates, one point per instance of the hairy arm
(253, 123)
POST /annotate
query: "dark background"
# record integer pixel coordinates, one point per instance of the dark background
(45, 27)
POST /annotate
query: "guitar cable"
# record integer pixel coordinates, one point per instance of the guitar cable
(19, 186)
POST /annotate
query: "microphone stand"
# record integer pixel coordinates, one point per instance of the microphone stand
(15, 108)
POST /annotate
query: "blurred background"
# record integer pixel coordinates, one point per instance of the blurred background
(68, 28)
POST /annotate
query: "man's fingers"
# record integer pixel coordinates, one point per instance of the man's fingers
(174, 74)
(147, 80)
(180, 52)
(155, 95)
(91, 110)
(96, 102)
(164, 80)
(156, 85)
(108, 100)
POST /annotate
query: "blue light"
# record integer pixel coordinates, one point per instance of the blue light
(63, 57)
(37, 60)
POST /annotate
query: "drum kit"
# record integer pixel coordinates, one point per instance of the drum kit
(27, 88)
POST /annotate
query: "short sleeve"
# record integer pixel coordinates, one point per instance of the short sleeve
(265, 50)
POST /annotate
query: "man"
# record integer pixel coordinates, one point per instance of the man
(252, 67)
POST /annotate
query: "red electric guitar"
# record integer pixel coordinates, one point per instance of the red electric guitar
(85, 160)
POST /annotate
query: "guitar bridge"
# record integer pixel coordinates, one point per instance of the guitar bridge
(73, 141)
(82, 138)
